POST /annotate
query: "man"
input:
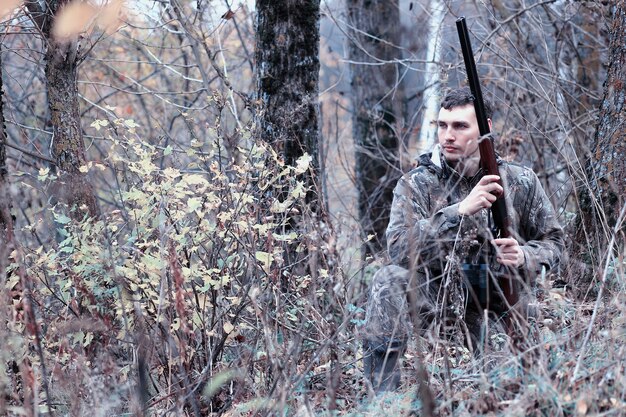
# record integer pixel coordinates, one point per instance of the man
(440, 230)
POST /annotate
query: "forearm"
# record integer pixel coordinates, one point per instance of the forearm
(545, 253)
(545, 238)
(410, 235)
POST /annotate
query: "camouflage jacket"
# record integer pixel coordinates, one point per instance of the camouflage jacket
(425, 224)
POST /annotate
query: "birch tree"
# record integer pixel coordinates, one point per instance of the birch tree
(428, 131)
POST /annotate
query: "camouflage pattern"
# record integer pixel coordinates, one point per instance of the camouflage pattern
(387, 317)
(426, 234)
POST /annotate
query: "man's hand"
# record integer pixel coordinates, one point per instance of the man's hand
(509, 252)
(482, 196)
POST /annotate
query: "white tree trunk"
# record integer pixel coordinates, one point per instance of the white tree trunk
(428, 131)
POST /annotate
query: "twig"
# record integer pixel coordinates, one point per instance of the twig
(425, 394)
(515, 16)
(32, 154)
(32, 327)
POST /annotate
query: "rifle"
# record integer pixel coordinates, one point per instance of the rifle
(487, 153)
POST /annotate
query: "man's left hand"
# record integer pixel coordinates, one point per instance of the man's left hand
(509, 252)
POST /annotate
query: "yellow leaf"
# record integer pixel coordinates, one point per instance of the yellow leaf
(84, 169)
(302, 164)
(265, 258)
(171, 173)
(97, 124)
(194, 204)
(285, 238)
(195, 179)
(278, 207)
(263, 228)
(298, 191)
(228, 327)
(147, 166)
(43, 174)
(581, 407)
(225, 216)
(130, 123)
(88, 338)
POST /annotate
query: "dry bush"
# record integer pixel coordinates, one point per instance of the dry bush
(178, 301)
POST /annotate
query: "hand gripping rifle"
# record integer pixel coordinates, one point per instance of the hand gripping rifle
(487, 153)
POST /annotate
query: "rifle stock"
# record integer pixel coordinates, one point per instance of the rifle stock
(488, 160)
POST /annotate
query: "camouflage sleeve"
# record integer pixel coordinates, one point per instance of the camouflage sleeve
(544, 235)
(412, 229)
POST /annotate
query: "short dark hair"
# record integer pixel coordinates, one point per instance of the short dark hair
(460, 97)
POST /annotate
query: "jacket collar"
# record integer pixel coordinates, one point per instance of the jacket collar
(437, 163)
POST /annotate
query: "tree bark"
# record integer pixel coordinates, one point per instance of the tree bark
(428, 131)
(6, 240)
(68, 147)
(376, 100)
(6, 220)
(287, 69)
(604, 196)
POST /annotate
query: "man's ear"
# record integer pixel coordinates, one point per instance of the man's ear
(489, 122)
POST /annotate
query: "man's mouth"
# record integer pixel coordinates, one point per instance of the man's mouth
(450, 148)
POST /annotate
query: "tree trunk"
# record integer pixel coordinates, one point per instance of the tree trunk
(428, 131)
(377, 99)
(604, 196)
(6, 246)
(287, 70)
(68, 147)
(6, 220)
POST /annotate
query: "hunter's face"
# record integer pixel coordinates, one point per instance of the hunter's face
(458, 133)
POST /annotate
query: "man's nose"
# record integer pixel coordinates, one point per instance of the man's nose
(449, 135)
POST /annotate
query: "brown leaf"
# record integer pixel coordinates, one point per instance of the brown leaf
(109, 18)
(74, 19)
(228, 15)
(78, 17)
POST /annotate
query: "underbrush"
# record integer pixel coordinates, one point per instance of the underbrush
(209, 287)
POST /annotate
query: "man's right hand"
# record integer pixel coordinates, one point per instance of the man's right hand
(482, 196)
